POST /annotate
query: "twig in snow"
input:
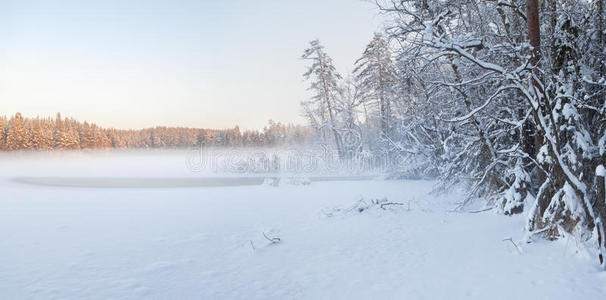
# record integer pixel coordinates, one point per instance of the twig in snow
(392, 203)
(457, 210)
(516, 245)
(273, 240)
(329, 214)
(479, 211)
(252, 245)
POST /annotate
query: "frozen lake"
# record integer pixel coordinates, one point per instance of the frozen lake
(170, 182)
(105, 241)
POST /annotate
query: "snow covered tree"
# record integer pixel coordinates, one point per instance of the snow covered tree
(41, 134)
(17, 134)
(87, 138)
(443, 62)
(59, 133)
(65, 136)
(3, 127)
(321, 108)
(509, 95)
(376, 74)
(349, 102)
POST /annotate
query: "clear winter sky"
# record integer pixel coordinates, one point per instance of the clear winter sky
(135, 64)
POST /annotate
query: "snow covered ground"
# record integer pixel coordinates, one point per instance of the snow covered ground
(208, 242)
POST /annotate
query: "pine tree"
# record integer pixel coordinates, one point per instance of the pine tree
(17, 135)
(376, 74)
(87, 137)
(65, 135)
(35, 131)
(3, 129)
(321, 109)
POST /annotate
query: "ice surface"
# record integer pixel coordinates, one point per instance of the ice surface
(209, 243)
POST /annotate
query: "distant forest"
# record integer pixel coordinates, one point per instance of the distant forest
(19, 133)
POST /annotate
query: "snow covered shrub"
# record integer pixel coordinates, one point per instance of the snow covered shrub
(512, 200)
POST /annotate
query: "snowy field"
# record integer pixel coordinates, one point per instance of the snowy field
(343, 239)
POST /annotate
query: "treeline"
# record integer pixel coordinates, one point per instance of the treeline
(19, 133)
(505, 97)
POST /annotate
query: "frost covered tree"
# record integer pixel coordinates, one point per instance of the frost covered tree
(376, 76)
(508, 99)
(60, 133)
(444, 49)
(41, 134)
(324, 79)
(65, 135)
(17, 134)
(350, 100)
(3, 127)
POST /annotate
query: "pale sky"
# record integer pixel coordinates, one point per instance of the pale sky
(135, 64)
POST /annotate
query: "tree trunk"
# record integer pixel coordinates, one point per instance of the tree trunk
(534, 38)
(601, 209)
(534, 30)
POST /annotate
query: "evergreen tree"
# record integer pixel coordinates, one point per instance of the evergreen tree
(3, 129)
(17, 135)
(376, 74)
(321, 109)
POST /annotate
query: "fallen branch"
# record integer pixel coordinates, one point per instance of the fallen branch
(390, 203)
(273, 240)
(516, 245)
(479, 211)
